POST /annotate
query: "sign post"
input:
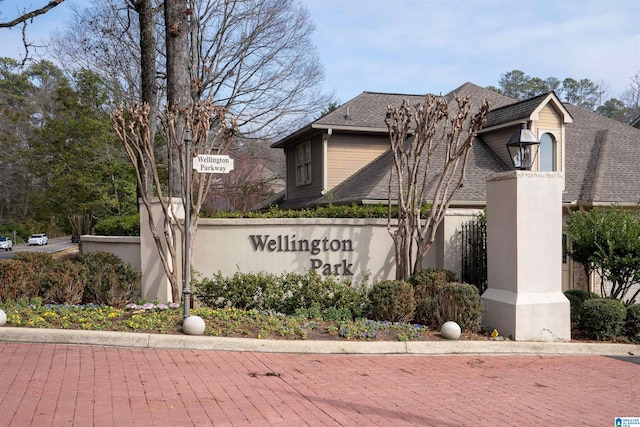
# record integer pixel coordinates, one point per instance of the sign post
(202, 163)
(186, 268)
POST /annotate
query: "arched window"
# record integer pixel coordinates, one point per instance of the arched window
(547, 154)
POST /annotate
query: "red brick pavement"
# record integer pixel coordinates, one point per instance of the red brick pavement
(60, 385)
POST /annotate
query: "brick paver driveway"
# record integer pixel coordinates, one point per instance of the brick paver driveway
(59, 385)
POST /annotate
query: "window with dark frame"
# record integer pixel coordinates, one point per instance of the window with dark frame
(303, 163)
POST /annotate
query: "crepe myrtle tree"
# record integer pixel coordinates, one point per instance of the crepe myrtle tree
(209, 132)
(441, 129)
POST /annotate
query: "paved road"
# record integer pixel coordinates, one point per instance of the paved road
(56, 244)
(59, 385)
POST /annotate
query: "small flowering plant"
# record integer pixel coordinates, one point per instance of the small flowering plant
(151, 306)
(154, 317)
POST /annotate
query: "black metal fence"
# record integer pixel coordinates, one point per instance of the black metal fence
(474, 254)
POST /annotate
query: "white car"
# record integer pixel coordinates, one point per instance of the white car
(38, 239)
(6, 244)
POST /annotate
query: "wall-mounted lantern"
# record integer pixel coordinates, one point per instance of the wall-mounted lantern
(523, 147)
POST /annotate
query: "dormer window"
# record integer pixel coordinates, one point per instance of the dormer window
(547, 153)
(303, 163)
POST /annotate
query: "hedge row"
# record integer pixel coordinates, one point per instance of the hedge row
(431, 298)
(603, 318)
(97, 277)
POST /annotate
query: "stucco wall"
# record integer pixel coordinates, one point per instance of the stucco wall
(330, 246)
(350, 248)
(126, 248)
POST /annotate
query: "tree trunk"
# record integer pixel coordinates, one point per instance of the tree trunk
(176, 18)
(149, 85)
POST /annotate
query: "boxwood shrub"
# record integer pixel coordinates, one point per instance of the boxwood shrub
(603, 318)
(576, 297)
(632, 322)
(392, 300)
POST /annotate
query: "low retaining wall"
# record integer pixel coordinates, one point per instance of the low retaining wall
(126, 248)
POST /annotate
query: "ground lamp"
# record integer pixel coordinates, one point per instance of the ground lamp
(522, 148)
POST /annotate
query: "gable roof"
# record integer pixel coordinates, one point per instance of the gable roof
(526, 109)
(601, 154)
(367, 111)
(364, 113)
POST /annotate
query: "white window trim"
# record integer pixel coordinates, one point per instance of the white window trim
(558, 160)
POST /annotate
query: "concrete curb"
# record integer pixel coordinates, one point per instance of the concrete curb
(186, 342)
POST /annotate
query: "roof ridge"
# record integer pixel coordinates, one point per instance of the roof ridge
(395, 93)
(522, 101)
(602, 151)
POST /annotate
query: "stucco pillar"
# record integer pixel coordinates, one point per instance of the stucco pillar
(155, 284)
(524, 297)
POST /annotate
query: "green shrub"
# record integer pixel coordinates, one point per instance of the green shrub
(458, 302)
(426, 284)
(337, 314)
(392, 300)
(431, 279)
(332, 211)
(576, 297)
(602, 318)
(125, 225)
(97, 278)
(425, 311)
(55, 280)
(243, 291)
(632, 321)
(289, 293)
(110, 280)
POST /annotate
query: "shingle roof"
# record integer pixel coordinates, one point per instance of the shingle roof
(372, 182)
(601, 162)
(602, 159)
(367, 110)
(515, 111)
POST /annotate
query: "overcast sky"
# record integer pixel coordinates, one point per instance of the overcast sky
(421, 46)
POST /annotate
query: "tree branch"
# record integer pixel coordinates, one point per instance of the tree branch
(30, 15)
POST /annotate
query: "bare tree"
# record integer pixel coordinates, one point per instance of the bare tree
(440, 130)
(29, 15)
(255, 57)
(210, 132)
(631, 98)
(24, 17)
(249, 58)
(253, 180)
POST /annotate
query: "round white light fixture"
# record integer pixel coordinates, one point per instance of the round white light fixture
(450, 330)
(193, 325)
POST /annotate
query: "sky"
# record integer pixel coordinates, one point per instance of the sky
(434, 46)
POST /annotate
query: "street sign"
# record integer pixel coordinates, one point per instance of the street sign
(211, 163)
